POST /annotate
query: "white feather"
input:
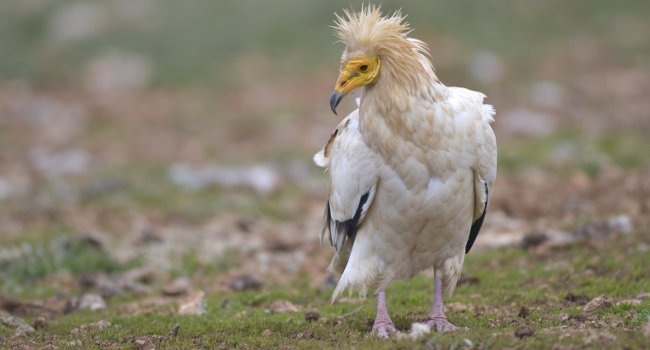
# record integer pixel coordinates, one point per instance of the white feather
(423, 199)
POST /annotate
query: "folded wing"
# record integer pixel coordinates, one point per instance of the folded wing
(353, 173)
(485, 171)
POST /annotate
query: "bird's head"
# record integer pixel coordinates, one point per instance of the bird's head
(357, 71)
(377, 48)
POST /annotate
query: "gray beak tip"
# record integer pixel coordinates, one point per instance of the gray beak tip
(335, 99)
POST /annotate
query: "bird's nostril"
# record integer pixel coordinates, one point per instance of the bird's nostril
(344, 82)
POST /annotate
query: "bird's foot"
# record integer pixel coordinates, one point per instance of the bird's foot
(441, 325)
(383, 328)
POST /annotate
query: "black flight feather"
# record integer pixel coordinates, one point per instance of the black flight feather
(476, 226)
(344, 229)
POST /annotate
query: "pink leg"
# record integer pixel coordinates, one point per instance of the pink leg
(383, 324)
(437, 319)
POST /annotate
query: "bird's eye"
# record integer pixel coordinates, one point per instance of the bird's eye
(363, 68)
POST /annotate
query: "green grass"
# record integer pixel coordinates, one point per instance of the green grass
(571, 151)
(52, 254)
(508, 279)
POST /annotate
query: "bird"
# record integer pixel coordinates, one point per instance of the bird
(410, 170)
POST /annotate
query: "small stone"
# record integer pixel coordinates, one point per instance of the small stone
(557, 238)
(176, 288)
(59, 164)
(308, 334)
(629, 302)
(524, 331)
(148, 236)
(533, 239)
(458, 307)
(468, 343)
(311, 316)
(263, 178)
(245, 282)
(195, 304)
(76, 344)
(598, 303)
(91, 302)
(581, 299)
(579, 318)
(523, 312)
(418, 330)
(643, 296)
(620, 223)
(40, 322)
(101, 324)
(147, 343)
(14, 321)
(174, 331)
(337, 321)
(267, 333)
(283, 306)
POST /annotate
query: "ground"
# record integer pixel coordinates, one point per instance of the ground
(157, 191)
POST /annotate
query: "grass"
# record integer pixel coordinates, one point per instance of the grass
(508, 279)
(52, 254)
(570, 151)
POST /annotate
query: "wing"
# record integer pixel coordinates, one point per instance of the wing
(485, 170)
(353, 170)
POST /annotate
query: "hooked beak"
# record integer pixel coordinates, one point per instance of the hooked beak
(335, 99)
(354, 73)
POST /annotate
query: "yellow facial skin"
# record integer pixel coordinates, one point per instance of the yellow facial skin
(358, 71)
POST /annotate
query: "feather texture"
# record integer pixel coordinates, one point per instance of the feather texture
(410, 171)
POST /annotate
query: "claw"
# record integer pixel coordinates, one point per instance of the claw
(383, 329)
(441, 325)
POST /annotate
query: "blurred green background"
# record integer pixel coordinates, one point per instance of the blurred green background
(178, 135)
(190, 42)
(115, 113)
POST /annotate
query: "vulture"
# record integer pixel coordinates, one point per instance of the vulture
(410, 170)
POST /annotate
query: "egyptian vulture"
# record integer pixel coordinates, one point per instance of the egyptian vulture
(410, 170)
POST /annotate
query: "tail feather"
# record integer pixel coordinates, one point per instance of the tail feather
(361, 272)
(352, 280)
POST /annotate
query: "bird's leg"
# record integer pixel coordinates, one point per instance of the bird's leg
(383, 324)
(437, 319)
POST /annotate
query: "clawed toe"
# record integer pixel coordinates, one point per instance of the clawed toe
(383, 329)
(441, 325)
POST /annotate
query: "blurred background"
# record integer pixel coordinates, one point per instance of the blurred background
(149, 144)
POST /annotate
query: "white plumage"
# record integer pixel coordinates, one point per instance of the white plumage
(410, 171)
(422, 218)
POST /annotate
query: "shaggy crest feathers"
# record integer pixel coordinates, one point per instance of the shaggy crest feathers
(368, 28)
(404, 61)
(369, 32)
